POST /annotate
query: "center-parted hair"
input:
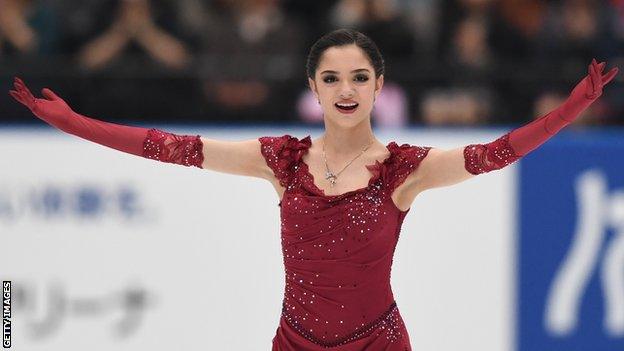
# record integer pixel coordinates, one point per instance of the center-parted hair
(342, 37)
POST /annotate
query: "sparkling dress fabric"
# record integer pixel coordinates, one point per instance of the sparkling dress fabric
(338, 252)
(483, 158)
(186, 150)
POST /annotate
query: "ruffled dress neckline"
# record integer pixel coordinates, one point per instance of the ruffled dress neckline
(378, 169)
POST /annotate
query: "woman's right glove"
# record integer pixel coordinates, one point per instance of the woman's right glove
(149, 143)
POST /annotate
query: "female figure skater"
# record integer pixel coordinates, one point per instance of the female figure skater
(343, 195)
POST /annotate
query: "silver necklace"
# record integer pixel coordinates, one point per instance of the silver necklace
(333, 177)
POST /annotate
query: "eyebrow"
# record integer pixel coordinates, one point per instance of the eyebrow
(354, 71)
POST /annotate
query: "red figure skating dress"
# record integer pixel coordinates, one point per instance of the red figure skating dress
(338, 252)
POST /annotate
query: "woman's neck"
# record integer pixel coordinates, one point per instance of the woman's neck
(343, 142)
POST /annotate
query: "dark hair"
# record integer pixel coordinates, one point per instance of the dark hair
(342, 37)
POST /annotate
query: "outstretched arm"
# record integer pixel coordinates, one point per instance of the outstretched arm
(243, 158)
(447, 167)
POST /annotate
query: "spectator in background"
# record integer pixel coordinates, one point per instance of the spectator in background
(250, 49)
(466, 97)
(191, 21)
(422, 18)
(456, 107)
(27, 27)
(615, 11)
(573, 32)
(113, 41)
(451, 13)
(515, 29)
(134, 21)
(313, 16)
(516, 26)
(381, 20)
(470, 52)
(490, 45)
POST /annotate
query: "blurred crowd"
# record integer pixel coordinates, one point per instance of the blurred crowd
(448, 62)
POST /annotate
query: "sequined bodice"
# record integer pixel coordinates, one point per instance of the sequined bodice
(337, 249)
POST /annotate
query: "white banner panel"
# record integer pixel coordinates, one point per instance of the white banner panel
(110, 251)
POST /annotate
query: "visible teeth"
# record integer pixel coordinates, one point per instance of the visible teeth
(347, 105)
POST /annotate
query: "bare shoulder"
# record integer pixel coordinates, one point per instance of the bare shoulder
(434, 155)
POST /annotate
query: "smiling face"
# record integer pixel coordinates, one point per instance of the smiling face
(345, 77)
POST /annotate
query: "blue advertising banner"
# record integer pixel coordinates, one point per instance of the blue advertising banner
(571, 242)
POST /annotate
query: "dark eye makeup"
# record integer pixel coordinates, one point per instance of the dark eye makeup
(358, 78)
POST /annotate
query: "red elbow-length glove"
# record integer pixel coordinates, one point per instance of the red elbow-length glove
(152, 143)
(482, 158)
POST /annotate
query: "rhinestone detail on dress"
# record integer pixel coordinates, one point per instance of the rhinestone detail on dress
(338, 249)
(483, 158)
(186, 150)
(388, 320)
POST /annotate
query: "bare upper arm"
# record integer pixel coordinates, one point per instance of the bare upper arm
(441, 168)
(235, 157)
(437, 169)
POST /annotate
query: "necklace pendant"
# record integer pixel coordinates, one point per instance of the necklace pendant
(331, 177)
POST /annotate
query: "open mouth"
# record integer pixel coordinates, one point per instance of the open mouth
(346, 108)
